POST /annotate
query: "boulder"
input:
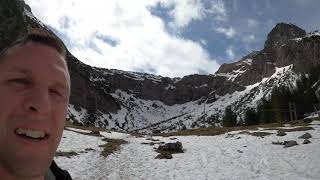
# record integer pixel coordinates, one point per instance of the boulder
(171, 148)
(164, 155)
(306, 136)
(289, 143)
(89, 149)
(239, 151)
(229, 136)
(278, 143)
(281, 133)
(306, 141)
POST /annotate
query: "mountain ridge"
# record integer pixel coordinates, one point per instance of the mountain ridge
(131, 100)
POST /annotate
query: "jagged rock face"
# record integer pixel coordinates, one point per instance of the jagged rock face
(169, 91)
(281, 33)
(84, 93)
(249, 70)
(286, 44)
(304, 54)
(259, 69)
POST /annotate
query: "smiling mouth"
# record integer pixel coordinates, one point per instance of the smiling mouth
(31, 133)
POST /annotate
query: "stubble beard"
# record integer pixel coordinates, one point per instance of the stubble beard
(25, 167)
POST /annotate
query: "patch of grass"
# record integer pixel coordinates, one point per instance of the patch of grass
(94, 129)
(84, 133)
(83, 127)
(293, 129)
(66, 154)
(111, 146)
(298, 123)
(305, 128)
(213, 131)
(257, 134)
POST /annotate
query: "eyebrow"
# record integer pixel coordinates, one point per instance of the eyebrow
(19, 70)
(60, 85)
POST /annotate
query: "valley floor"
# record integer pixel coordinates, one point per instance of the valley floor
(226, 156)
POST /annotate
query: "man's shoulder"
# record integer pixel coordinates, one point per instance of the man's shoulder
(59, 173)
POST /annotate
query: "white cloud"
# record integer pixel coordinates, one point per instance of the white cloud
(141, 39)
(218, 10)
(185, 11)
(228, 32)
(230, 52)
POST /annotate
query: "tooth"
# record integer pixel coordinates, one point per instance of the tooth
(19, 131)
(30, 133)
(33, 134)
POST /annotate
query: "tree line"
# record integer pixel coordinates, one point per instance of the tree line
(276, 107)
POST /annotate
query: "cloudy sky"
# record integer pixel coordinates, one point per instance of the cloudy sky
(169, 37)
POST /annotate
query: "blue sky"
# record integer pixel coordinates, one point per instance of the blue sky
(169, 37)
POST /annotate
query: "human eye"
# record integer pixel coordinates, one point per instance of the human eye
(59, 91)
(56, 92)
(19, 81)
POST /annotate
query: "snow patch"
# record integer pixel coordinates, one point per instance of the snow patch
(169, 87)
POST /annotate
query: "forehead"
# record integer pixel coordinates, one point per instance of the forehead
(37, 58)
(31, 48)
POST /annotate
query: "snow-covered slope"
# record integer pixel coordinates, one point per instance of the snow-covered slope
(147, 115)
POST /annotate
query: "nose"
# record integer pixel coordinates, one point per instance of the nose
(37, 100)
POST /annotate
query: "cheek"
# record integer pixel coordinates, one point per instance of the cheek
(59, 119)
(10, 108)
(9, 114)
(58, 124)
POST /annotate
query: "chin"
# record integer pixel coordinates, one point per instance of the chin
(27, 168)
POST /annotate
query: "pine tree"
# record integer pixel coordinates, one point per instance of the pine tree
(265, 114)
(251, 117)
(229, 118)
(304, 93)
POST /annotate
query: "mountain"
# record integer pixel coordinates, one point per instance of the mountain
(133, 101)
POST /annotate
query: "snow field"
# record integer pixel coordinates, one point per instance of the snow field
(206, 157)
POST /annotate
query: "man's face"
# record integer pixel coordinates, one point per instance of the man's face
(34, 95)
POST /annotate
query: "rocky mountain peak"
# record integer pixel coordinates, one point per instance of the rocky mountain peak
(281, 33)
